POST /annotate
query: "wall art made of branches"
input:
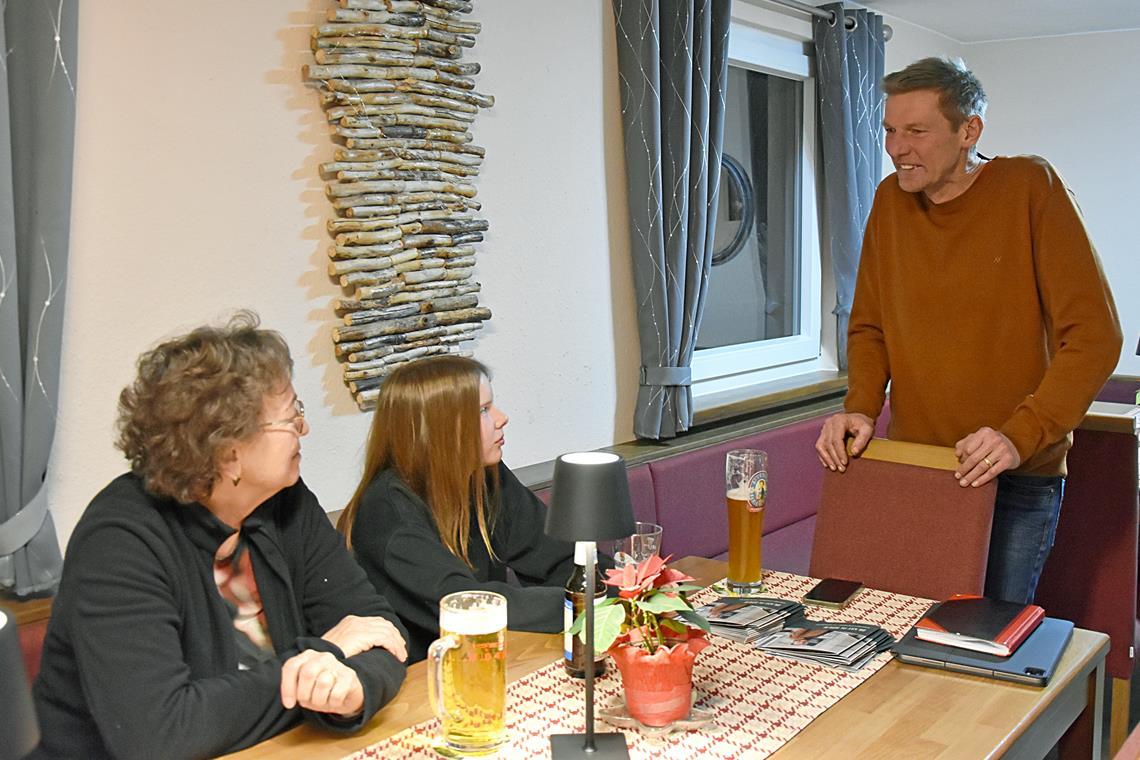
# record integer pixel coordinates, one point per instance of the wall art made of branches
(401, 101)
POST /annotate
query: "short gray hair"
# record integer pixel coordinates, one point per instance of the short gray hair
(959, 91)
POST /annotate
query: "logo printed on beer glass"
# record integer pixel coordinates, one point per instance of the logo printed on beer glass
(486, 652)
(757, 491)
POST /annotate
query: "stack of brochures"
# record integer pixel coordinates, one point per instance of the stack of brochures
(847, 646)
(746, 619)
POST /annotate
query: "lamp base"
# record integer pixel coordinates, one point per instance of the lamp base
(574, 745)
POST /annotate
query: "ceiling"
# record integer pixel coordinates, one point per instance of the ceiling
(971, 21)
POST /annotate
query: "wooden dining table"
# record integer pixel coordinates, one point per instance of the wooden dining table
(901, 711)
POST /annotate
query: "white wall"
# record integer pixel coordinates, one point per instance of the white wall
(910, 42)
(1073, 101)
(196, 192)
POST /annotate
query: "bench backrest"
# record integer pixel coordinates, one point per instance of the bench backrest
(1121, 390)
(1090, 576)
(689, 488)
(684, 494)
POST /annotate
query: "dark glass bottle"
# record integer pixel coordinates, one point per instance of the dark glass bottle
(573, 650)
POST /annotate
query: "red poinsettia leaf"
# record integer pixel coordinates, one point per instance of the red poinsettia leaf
(648, 570)
(629, 575)
(653, 607)
(669, 575)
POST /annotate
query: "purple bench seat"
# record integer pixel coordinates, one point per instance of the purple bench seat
(684, 493)
(689, 493)
(1120, 390)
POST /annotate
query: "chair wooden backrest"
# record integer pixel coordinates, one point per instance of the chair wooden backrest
(897, 520)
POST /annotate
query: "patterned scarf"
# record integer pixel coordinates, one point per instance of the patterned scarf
(233, 573)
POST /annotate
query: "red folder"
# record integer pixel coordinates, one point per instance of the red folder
(983, 625)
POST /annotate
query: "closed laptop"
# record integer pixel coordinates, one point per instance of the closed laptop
(1033, 662)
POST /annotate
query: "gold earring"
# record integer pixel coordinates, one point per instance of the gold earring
(236, 479)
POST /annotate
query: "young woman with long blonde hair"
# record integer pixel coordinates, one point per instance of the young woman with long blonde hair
(437, 511)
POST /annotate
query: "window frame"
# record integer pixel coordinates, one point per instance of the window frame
(723, 368)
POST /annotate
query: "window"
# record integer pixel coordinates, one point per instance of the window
(755, 282)
(762, 316)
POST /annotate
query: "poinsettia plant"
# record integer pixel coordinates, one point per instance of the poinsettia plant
(650, 610)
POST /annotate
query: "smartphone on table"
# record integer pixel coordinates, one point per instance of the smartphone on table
(832, 592)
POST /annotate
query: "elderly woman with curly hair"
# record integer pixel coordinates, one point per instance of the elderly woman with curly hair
(206, 602)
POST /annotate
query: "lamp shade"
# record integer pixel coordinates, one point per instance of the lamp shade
(19, 730)
(589, 498)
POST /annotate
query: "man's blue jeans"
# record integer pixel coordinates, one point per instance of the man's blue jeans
(1025, 523)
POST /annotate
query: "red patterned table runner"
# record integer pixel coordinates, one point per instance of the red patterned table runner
(760, 701)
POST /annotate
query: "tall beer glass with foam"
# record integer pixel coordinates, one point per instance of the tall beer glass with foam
(467, 676)
(746, 488)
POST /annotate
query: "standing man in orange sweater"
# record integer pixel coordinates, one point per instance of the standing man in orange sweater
(981, 300)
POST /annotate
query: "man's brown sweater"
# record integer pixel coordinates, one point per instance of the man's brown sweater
(990, 309)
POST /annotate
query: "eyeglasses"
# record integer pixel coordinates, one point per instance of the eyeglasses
(296, 422)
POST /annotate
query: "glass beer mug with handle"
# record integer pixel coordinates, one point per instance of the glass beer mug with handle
(746, 489)
(467, 675)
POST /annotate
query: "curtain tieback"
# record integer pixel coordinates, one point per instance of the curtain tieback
(666, 376)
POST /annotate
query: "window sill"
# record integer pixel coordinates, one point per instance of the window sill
(726, 416)
(770, 396)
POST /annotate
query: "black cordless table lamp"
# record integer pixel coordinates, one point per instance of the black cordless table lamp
(589, 501)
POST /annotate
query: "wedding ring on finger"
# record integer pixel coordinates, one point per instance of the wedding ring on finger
(989, 464)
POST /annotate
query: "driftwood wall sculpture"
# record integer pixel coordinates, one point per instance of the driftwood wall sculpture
(402, 104)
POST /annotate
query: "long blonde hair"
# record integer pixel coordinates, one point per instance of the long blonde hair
(427, 428)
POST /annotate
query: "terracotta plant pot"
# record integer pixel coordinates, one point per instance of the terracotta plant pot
(658, 687)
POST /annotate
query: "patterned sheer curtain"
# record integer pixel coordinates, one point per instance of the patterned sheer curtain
(37, 126)
(672, 58)
(849, 67)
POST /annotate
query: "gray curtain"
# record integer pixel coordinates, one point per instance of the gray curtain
(672, 58)
(849, 68)
(37, 126)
